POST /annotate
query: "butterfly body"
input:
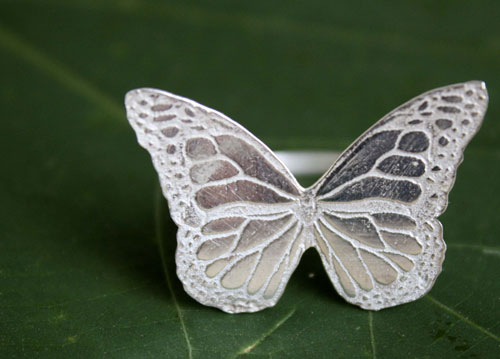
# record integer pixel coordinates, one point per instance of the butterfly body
(244, 220)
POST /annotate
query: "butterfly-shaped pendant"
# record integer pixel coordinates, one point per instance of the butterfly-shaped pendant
(244, 220)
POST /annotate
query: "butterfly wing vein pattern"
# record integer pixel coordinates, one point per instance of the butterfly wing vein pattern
(244, 221)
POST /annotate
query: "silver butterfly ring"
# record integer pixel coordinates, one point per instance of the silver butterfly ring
(244, 220)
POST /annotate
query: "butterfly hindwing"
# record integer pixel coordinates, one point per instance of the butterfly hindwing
(232, 199)
(378, 233)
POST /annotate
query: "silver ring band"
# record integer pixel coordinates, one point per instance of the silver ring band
(303, 163)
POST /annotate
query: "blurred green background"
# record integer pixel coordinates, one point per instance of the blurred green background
(80, 213)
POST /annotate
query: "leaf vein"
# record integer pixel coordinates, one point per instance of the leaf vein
(462, 317)
(159, 235)
(247, 349)
(59, 72)
(495, 251)
(372, 335)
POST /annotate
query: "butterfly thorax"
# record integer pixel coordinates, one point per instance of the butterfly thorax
(307, 209)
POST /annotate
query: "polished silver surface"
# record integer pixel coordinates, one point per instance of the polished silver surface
(244, 220)
(305, 163)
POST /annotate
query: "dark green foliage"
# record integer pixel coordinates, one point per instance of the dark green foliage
(80, 214)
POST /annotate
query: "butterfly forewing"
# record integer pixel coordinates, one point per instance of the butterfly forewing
(232, 199)
(377, 230)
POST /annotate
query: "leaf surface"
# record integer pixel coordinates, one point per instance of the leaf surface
(87, 247)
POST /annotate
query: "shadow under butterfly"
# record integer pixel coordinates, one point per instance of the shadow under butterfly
(244, 220)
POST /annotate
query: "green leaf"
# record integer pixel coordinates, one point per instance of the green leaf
(81, 217)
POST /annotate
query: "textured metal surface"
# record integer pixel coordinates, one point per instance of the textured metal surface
(244, 221)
